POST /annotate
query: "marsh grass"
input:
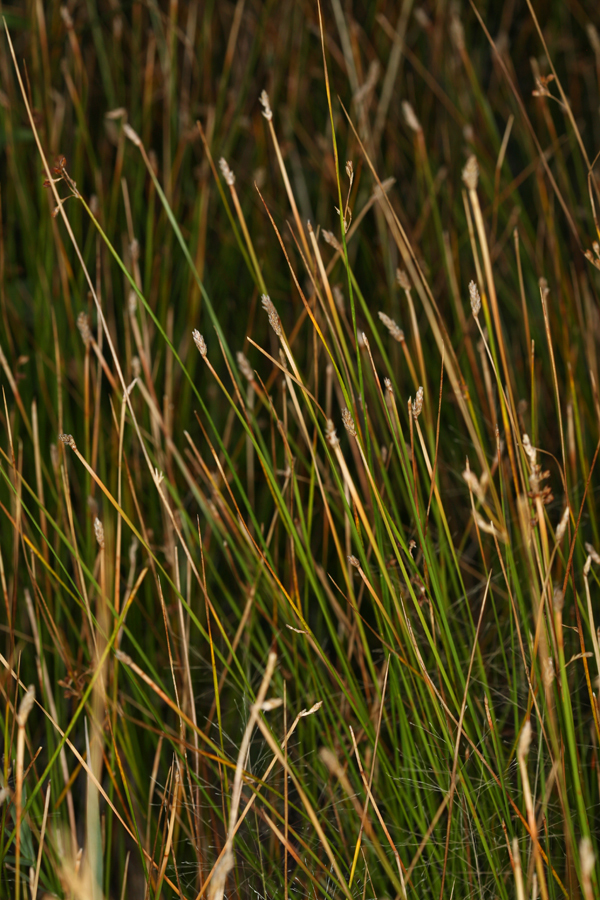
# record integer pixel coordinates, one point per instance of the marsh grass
(300, 426)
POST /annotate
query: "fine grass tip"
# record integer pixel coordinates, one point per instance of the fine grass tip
(244, 366)
(200, 343)
(470, 173)
(348, 422)
(525, 741)
(410, 117)
(99, 532)
(394, 329)
(83, 324)
(418, 404)
(26, 706)
(226, 172)
(274, 320)
(331, 434)
(132, 135)
(474, 298)
(69, 440)
(266, 106)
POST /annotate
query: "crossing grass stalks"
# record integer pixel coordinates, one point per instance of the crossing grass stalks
(298, 444)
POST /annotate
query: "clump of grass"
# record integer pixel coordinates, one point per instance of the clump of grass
(297, 555)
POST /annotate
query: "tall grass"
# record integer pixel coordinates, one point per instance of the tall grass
(300, 424)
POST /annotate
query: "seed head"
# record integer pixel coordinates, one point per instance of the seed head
(475, 299)
(330, 434)
(227, 173)
(403, 279)
(470, 173)
(395, 331)
(266, 106)
(132, 135)
(200, 343)
(274, 320)
(330, 238)
(338, 297)
(354, 561)
(586, 855)
(558, 599)
(525, 740)
(68, 440)
(26, 706)
(244, 366)
(387, 382)
(83, 324)
(348, 422)
(99, 532)
(418, 404)
(593, 553)
(562, 525)
(410, 117)
(350, 170)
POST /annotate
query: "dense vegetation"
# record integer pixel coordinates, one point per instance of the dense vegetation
(298, 449)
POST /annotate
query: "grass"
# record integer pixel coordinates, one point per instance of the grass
(299, 434)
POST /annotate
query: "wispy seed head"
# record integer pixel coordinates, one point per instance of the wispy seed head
(410, 117)
(395, 331)
(350, 170)
(132, 135)
(558, 599)
(330, 238)
(593, 553)
(68, 440)
(475, 299)
(83, 324)
(348, 422)
(403, 279)
(387, 382)
(586, 855)
(227, 173)
(470, 173)
(330, 433)
(26, 705)
(418, 404)
(266, 106)
(354, 561)
(200, 343)
(244, 366)
(562, 525)
(274, 320)
(525, 740)
(338, 296)
(99, 532)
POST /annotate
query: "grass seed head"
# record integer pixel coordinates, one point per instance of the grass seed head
(226, 171)
(470, 174)
(266, 106)
(330, 238)
(99, 532)
(418, 404)
(26, 706)
(475, 299)
(348, 422)
(562, 525)
(410, 117)
(244, 366)
(395, 331)
(200, 343)
(330, 434)
(274, 320)
(354, 561)
(69, 440)
(525, 740)
(83, 324)
(403, 279)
